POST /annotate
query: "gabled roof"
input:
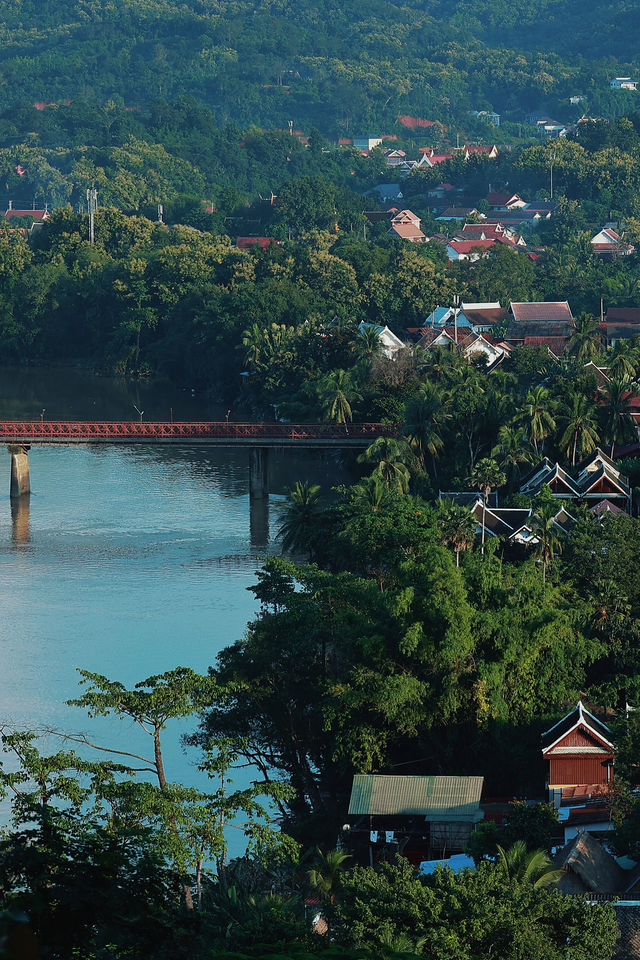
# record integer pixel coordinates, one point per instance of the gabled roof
(548, 472)
(36, 214)
(503, 199)
(594, 478)
(503, 521)
(604, 507)
(558, 311)
(578, 717)
(436, 798)
(435, 338)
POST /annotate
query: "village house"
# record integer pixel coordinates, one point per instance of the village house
(366, 143)
(504, 201)
(623, 83)
(490, 231)
(514, 525)
(534, 324)
(413, 816)
(619, 324)
(406, 225)
(580, 754)
(389, 343)
(607, 243)
(483, 317)
(471, 250)
(595, 479)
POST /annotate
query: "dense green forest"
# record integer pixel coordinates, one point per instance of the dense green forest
(337, 66)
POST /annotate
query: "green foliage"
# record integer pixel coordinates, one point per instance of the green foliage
(468, 915)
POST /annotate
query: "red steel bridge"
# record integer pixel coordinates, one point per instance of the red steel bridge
(27, 432)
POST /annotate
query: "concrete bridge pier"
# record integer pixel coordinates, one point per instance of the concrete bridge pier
(259, 497)
(259, 473)
(20, 480)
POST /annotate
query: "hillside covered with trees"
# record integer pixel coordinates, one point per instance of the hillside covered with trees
(335, 65)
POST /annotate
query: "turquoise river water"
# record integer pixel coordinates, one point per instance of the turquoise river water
(127, 561)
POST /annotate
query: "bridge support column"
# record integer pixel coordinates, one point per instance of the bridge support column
(258, 473)
(20, 480)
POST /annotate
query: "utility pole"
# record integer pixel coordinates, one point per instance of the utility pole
(160, 213)
(456, 304)
(552, 157)
(92, 206)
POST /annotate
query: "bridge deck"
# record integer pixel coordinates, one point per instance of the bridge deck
(220, 434)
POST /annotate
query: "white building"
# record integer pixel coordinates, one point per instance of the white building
(623, 83)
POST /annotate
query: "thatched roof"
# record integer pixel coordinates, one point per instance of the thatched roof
(588, 866)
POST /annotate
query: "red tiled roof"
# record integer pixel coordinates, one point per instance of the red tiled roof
(36, 214)
(557, 310)
(243, 243)
(440, 157)
(466, 246)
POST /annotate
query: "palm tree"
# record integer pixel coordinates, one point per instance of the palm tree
(253, 341)
(536, 415)
(393, 459)
(301, 514)
(485, 477)
(520, 866)
(325, 876)
(338, 393)
(584, 342)
(424, 418)
(624, 361)
(370, 492)
(512, 451)
(617, 422)
(367, 344)
(581, 431)
(457, 527)
(546, 530)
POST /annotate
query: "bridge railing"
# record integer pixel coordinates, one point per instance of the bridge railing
(33, 430)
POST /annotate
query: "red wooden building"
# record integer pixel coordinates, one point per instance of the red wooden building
(580, 752)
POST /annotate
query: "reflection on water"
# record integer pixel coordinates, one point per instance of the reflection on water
(259, 523)
(20, 518)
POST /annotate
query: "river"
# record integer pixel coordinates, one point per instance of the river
(125, 560)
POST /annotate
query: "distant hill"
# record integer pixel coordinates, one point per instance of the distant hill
(344, 66)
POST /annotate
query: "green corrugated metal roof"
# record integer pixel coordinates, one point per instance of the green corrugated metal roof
(436, 798)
